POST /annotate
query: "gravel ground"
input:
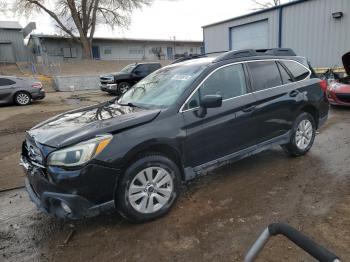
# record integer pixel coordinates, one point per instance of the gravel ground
(217, 217)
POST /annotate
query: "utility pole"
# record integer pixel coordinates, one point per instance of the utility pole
(174, 46)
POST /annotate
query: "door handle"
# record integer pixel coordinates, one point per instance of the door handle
(294, 93)
(248, 109)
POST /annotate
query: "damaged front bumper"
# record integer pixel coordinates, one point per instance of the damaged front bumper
(57, 204)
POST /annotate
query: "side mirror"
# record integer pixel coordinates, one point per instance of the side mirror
(208, 101)
(211, 101)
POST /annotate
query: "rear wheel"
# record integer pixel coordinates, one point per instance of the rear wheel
(148, 189)
(303, 135)
(22, 99)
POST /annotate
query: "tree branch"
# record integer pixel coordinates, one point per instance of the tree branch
(55, 17)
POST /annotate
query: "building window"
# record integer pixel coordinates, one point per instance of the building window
(135, 51)
(191, 49)
(107, 50)
(70, 52)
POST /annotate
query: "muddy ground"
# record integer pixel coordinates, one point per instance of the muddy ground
(217, 217)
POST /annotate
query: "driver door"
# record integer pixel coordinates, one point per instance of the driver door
(223, 130)
(140, 72)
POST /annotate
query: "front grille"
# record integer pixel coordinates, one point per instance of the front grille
(32, 152)
(344, 97)
(106, 80)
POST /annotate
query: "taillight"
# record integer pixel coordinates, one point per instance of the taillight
(37, 85)
(323, 85)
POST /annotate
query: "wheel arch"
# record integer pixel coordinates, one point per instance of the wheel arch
(162, 147)
(312, 110)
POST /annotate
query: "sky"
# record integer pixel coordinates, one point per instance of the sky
(164, 19)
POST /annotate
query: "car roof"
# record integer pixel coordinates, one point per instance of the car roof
(147, 63)
(194, 61)
(246, 55)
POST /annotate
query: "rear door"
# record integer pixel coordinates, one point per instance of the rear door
(6, 89)
(224, 130)
(277, 94)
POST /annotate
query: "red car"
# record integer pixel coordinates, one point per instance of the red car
(338, 92)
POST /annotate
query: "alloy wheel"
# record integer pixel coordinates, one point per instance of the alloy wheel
(304, 134)
(22, 99)
(150, 190)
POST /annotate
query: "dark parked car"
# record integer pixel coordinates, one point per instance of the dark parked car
(132, 153)
(118, 83)
(19, 90)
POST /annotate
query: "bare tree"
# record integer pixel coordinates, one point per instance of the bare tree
(79, 18)
(262, 4)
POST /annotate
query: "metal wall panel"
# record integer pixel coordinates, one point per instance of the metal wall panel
(253, 35)
(311, 31)
(17, 42)
(308, 27)
(7, 53)
(217, 37)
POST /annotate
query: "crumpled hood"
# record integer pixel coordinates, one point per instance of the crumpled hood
(85, 123)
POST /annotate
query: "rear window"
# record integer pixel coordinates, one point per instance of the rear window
(6, 82)
(298, 71)
(264, 74)
(154, 67)
(286, 77)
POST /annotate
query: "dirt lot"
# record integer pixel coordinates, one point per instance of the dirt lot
(216, 219)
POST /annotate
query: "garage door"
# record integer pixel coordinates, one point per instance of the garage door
(254, 35)
(6, 53)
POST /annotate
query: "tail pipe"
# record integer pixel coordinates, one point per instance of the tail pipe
(304, 242)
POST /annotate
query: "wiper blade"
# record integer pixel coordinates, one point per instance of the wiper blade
(130, 104)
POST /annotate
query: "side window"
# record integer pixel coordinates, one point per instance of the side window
(142, 69)
(286, 78)
(264, 75)
(228, 82)
(298, 71)
(6, 82)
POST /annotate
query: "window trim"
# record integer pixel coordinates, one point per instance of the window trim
(279, 65)
(251, 91)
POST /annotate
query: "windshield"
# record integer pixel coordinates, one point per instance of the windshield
(163, 87)
(128, 68)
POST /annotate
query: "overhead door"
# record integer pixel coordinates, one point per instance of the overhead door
(253, 35)
(6, 53)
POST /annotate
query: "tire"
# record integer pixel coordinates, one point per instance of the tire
(123, 87)
(303, 135)
(134, 196)
(22, 98)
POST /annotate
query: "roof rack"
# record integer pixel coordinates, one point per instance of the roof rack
(253, 52)
(194, 56)
(240, 54)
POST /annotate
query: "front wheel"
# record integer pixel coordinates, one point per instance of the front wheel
(148, 188)
(302, 136)
(123, 87)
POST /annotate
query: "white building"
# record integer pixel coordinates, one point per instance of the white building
(316, 29)
(65, 48)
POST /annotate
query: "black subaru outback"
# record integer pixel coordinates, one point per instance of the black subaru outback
(132, 153)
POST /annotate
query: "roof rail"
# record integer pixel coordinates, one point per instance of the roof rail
(194, 56)
(187, 57)
(257, 52)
